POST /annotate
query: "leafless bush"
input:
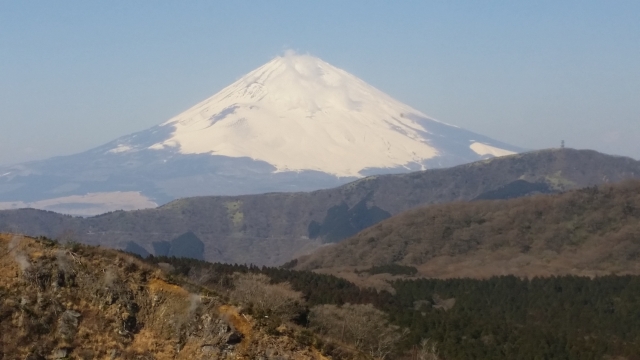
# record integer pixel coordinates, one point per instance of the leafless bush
(363, 326)
(428, 350)
(256, 292)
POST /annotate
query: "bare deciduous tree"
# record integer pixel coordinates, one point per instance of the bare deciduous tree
(256, 291)
(363, 326)
(428, 350)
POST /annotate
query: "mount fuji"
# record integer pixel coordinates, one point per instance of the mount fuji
(296, 123)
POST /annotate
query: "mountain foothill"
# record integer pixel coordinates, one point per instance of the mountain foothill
(271, 229)
(592, 231)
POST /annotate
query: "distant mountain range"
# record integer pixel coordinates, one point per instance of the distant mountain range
(296, 123)
(271, 229)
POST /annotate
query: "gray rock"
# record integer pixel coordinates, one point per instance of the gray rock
(68, 324)
(60, 353)
(73, 313)
(223, 328)
(209, 349)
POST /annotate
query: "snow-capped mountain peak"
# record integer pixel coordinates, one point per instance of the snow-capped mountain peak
(298, 113)
(296, 123)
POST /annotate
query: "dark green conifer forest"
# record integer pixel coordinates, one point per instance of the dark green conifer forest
(563, 317)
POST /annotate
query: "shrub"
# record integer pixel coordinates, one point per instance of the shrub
(255, 292)
(363, 326)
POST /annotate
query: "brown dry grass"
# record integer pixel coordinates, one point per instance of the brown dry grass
(159, 285)
(106, 288)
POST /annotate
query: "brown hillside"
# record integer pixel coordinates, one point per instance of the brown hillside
(79, 302)
(272, 229)
(593, 231)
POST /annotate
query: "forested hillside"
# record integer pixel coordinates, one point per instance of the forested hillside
(592, 231)
(565, 317)
(274, 228)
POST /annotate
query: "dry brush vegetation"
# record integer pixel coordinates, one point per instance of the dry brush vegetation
(592, 231)
(80, 302)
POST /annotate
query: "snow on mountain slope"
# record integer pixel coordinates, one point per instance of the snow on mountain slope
(298, 112)
(484, 149)
(296, 123)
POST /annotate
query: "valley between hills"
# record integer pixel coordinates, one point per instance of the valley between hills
(271, 229)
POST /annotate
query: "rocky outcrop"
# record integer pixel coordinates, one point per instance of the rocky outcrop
(80, 302)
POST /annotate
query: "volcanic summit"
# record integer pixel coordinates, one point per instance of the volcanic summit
(296, 123)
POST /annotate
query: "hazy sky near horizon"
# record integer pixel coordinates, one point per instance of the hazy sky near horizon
(77, 74)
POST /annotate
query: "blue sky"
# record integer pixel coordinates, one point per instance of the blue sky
(76, 74)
